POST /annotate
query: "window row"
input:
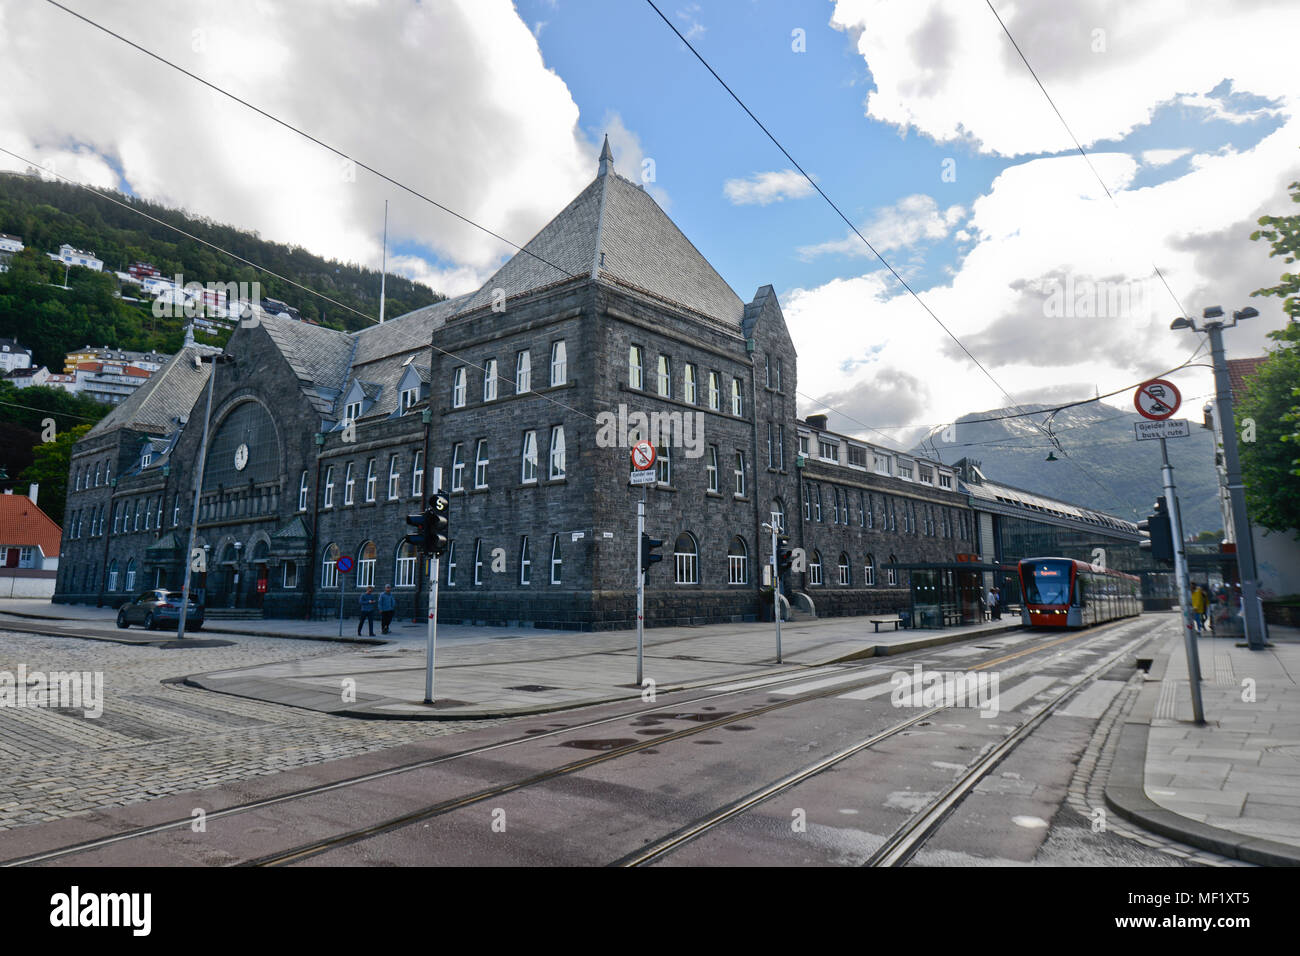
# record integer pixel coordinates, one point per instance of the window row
(691, 382)
(828, 449)
(884, 512)
(523, 380)
(844, 571)
(370, 486)
(485, 559)
(82, 477)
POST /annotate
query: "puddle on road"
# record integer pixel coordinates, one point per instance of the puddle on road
(703, 718)
(708, 742)
(738, 727)
(654, 733)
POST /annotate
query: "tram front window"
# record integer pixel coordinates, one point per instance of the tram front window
(1049, 583)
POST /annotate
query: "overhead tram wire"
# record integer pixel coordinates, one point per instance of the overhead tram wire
(91, 189)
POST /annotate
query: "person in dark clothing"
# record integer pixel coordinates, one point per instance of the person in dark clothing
(368, 603)
(387, 607)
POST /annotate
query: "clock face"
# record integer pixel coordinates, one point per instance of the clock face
(241, 457)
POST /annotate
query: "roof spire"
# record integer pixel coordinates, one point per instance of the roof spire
(606, 159)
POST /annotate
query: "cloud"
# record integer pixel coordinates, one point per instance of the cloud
(484, 127)
(1163, 157)
(911, 220)
(764, 188)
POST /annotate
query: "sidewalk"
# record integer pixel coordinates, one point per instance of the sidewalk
(1232, 786)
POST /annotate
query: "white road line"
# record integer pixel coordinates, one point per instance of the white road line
(745, 685)
(829, 682)
(868, 692)
(1027, 688)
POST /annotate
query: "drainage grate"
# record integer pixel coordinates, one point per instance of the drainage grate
(531, 688)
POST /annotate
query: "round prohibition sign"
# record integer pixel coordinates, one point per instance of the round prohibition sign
(643, 455)
(344, 564)
(1157, 399)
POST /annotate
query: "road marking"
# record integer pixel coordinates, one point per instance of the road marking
(1027, 688)
(829, 681)
(868, 692)
(745, 685)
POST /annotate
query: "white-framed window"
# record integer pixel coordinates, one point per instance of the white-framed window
(559, 363)
(458, 388)
(688, 384)
(828, 449)
(158, 522)
(557, 457)
(404, 575)
(738, 562)
(528, 465)
(112, 576)
(366, 565)
(394, 479)
(869, 570)
(771, 446)
(635, 367)
(715, 392)
(135, 522)
(290, 579)
(458, 467)
(892, 572)
(664, 466)
(490, 380)
(778, 515)
(780, 446)
(557, 560)
(352, 411)
(130, 575)
(665, 377)
(905, 470)
(451, 564)
(525, 562)
(883, 464)
(349, 485)
(739, 472)
(711, 468)
(844, 570)
(302, 492)
(737, 399)
(409, 398)
(945, 481)
(478, 562)
(371, 480)
(523, 373)
(77, 480)
(117, 518)
(417, 475)
(481, 464)
(329, 487)
(777, 384)
(817, 502)
(686, 560)
(815, 568)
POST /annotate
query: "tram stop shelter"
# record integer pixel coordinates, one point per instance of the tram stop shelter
(950, 593)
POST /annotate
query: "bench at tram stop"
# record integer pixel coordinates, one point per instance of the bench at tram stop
(892, 619)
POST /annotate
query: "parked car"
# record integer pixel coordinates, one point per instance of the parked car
(159, 608)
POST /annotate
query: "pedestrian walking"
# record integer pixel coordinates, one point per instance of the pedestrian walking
(387, 606)
(988, 604)
(996, 603)
(1200, 603)
(368, 602)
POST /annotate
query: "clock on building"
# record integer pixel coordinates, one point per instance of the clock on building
(241, 457)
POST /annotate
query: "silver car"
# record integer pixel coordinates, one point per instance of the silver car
(159, 608)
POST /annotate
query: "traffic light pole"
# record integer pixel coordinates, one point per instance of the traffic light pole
(776, 591)
(433, 629)
(1181, 581)
(640, 583)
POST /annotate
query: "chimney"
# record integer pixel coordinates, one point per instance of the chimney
(817, 421)
(32, 491)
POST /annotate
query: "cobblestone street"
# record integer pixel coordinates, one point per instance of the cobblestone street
(154, 738)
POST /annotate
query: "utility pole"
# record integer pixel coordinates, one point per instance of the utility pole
(198, 492)
(1181, 581)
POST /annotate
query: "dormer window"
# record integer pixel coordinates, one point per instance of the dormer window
(352, 411)
(409, 397)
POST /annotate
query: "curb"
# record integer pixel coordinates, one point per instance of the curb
(1129, 798)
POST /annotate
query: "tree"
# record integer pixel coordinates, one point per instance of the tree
(49, 469)
(1284, 234)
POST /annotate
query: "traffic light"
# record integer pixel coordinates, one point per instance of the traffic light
(419, 539)
(784, 555)
(649, 546)
(440, 528)
(1160, 542)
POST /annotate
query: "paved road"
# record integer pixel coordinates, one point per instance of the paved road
(558, 790)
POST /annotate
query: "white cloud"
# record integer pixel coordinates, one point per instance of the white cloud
(911, 220)
(1163, 157)
(769, 187)
(483, 126)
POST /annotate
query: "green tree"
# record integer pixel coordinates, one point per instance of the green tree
(49, 469)
(1283, 232)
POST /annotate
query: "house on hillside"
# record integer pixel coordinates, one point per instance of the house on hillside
(29, 547)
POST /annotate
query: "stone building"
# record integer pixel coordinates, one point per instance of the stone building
(521, 400)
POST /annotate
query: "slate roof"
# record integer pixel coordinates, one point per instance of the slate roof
(319, 357)
(169, 393)
(408, 332)
(614, 231)
(1041, 505)
(23, 523)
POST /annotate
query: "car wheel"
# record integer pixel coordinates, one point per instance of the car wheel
(121, 619)
(148, 621)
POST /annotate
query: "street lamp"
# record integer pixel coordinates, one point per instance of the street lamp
(234, 591)
(1213, 325)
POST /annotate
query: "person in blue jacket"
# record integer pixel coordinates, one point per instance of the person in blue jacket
(368, 602)
(387, 606)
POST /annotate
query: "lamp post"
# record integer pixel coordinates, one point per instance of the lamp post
(234, 591)
(1212, 325)
(215, 359)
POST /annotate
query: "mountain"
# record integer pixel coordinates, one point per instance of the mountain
(1103, 466)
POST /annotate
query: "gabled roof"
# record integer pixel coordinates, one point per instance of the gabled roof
(614, 231)
(408, 332)
(1240, 372)
(168, 394)
(319, 357)
(24, 524)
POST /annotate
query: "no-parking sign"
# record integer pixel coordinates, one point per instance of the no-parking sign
(344, 564)
(1157, 399)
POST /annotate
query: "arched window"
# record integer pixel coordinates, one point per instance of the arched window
(686, 561)
(892, 572)
(557, 467)
(738, 562)
(778, 515)
(523, 373)
(634, 367)
(130, 576)
(98, 466)
(478, 562)
(557, 563)
(302, 491)
(366, 565)
(688, 384)
(525, 562)
(406, 555)
(329, 568)
(528, 464)
(112, 575)
(869, 570)
(845, 578)
(815, 568)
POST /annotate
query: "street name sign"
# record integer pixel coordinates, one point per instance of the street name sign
(1149, 431)
(642, 478)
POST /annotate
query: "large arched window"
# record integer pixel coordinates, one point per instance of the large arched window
(843, 567)
(406, 555)
(815, 568)
(329, 567)
(686, 560)
(366, 555)
(130, 576)
(869, 570)
(244, 448)
(738, 562)
(778, 515)
(112, 575)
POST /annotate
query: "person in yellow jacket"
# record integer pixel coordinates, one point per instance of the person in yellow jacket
(1200, 604)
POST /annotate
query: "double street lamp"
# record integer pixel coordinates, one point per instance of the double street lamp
(1212, 324)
